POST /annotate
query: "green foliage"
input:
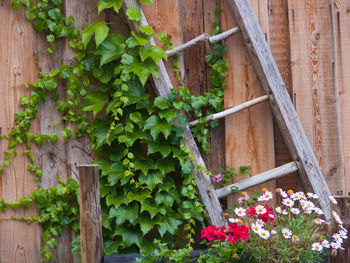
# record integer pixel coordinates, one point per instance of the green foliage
(147, 186)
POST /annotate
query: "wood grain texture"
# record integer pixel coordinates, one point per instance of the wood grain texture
(280, 102)
(91, 241)
(341, 77)
(19, 242)
(280, 48)
(313, 86)
(249, 134)
(162, 86)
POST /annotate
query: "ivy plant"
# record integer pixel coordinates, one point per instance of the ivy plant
(147, 185)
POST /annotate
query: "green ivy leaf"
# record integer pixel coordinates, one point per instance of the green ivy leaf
(152, 179)
(3, 206)
(116, 199)
(127, 213)
(66, 133)
(104, 4)
(165, 166)
(115, 173)
(134, 14)
(147, 30)
(150, 206)
(110, 246)
(154, 52)
(146, 223)
(155, 125)
(163, 149)
(112, 48)
(140, 39)
(94, 101)
(170, 225)
(168, 115)
(52, 243)
(146, 1)
(101, 32)
(164, 198)
(138, 196)
(161, 103)
(130, 236)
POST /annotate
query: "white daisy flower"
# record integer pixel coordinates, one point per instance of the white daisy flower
(302, 202)
(260, 222)
(312, 195)
(343, 234)
(286, 233)
(283, 194)
(295, 196)
(332, 199)
(234, 220)
(273, 232)
(268, 196)
(259, 210)
(337, 218)
(295, 211)
(284, 212)
(325, 243)
(337, 238)
(318, 211)
(288, 202)
(264, 234)
(256, 228)
(278, 210)
(302, 195)
(335, 245)
(316, 246)
(261, 198)
(318, 221)
(307, 211)
(240, 211)
(295, 238)
(309, 205)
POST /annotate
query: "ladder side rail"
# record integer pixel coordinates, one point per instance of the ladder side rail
(162, 86)
(282, 106)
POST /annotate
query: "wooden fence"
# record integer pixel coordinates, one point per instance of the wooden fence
(309, 40)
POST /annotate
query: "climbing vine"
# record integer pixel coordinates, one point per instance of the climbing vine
(147, 186)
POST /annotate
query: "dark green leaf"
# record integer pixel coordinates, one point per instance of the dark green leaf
(155, 125)
(94, 101)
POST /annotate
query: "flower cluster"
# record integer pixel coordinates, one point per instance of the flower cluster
(233, 233)
(290, 225)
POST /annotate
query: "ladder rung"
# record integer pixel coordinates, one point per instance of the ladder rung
(202, 37)
(222, 114)
(258, 179)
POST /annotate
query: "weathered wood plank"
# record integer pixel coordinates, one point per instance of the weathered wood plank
(91, 241)
(206, 190)
(258, 179)
(233, 110)
(313, 85)
(280, 49)
(215, 158)
(19, 242)
(249, 134)
(341, 31)
(201, 38)
(280, 102)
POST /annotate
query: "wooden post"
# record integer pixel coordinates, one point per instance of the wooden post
(91, 241)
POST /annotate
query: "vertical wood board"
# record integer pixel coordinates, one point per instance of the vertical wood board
(249, 134)
(313, 86)
(19, 242)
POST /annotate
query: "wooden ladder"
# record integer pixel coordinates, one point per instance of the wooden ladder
(285, 114)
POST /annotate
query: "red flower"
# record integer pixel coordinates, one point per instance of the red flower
(251, 211)
(209, 232)
(269, 215)
(238, 231)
